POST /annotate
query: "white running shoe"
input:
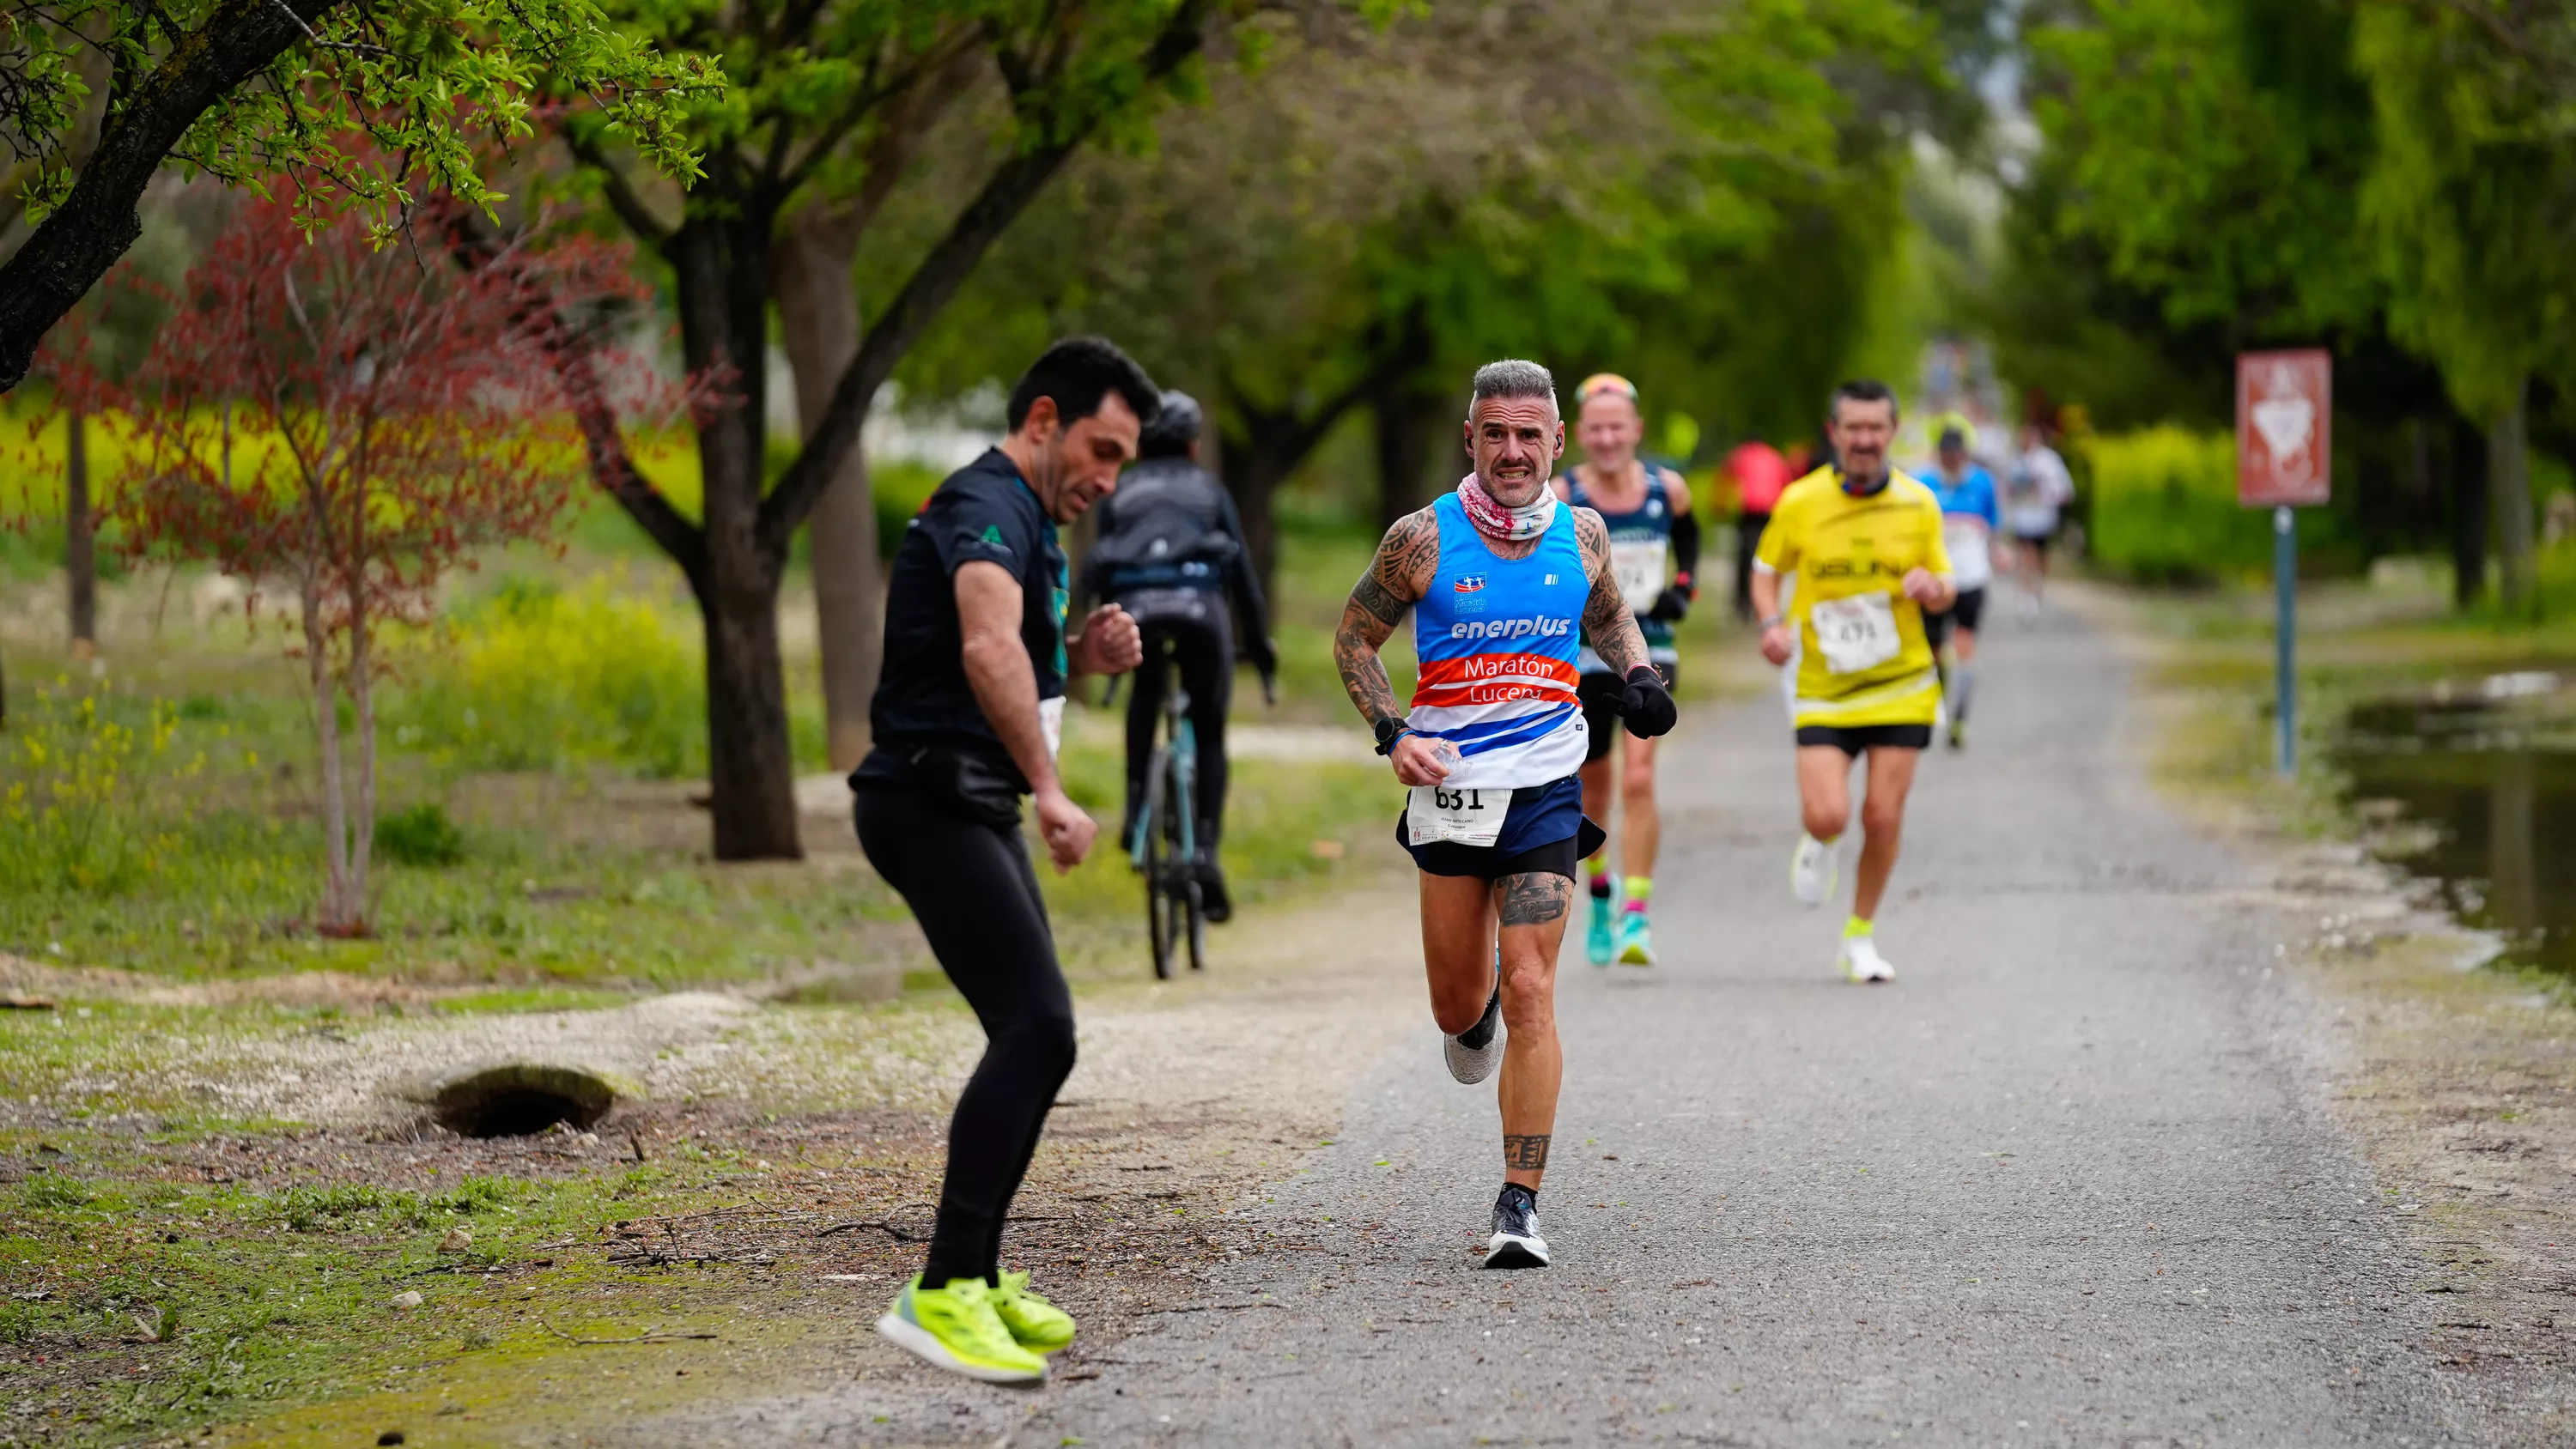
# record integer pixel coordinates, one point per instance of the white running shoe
(1813, 869)
(1473, 1054)
(1861, 962)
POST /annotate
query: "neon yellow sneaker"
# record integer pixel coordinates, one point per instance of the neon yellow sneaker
(957, 1328)
(1035, 1324)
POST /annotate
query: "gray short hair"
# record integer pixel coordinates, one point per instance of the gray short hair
(1511, 378)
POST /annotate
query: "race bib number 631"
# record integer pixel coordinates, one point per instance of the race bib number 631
(1469, 816)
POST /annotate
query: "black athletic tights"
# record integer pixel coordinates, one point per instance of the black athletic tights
(1201, 644)
(971, 887)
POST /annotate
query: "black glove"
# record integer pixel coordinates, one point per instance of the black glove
(1673, 604)
(1646, 705)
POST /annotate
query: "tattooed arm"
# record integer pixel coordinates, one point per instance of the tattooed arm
(1607, 620)
(1393, 582)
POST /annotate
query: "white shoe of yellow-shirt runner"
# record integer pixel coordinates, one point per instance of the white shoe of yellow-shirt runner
(1812, 870)
(1861, 962)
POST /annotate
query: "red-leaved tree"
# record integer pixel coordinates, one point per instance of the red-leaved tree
(343, 420)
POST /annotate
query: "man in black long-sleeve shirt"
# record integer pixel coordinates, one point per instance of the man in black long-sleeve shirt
(1170, 550)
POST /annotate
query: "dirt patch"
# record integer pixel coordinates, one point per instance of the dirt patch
(300, 988)
(813, 1138)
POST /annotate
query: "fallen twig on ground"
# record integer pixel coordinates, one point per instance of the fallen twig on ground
(889, 1229)
(1210, 1307)
(649, 1337)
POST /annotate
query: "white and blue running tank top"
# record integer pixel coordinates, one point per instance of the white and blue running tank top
(1497, 639)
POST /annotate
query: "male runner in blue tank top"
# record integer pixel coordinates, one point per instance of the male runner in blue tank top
(1648, 511)
(1502, 580)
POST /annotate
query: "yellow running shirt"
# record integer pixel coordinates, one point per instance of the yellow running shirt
(1862, 657)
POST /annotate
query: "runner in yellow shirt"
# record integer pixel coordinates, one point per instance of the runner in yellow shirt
(1861, 544)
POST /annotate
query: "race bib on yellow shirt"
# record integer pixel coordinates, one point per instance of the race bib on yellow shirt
(1856, 633)
(1470, 816)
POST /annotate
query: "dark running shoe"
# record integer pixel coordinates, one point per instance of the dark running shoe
(1516, 1242)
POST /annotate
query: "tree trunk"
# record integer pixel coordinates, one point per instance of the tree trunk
(1408, 417)
(362, 821)
(1253, 475)
(818, 311)
(335, 915)
(722, 263)
(751, 772)
(1269, 445)
(2463, 460)
(80, 537)
(2509, 498)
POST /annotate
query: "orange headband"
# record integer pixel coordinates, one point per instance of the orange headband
(1601, 382)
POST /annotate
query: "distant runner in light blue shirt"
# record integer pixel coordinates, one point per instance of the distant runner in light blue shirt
(1971, 516)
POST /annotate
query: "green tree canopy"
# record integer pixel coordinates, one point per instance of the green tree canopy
(377, 103)
(1368, 215)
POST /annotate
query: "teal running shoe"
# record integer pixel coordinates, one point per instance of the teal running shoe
(1597, 946)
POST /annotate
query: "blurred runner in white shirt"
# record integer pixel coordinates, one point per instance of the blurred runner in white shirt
(2034, 503)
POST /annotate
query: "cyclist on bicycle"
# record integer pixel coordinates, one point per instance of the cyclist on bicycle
(1170, 550)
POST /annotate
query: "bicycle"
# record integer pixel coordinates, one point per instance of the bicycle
(1164, 845)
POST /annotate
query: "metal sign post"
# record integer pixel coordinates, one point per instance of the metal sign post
(2285, 459)
(2285, 628)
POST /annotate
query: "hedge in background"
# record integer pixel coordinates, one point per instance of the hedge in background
(2165, 509)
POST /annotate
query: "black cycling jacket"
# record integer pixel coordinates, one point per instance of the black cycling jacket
(1172, 525)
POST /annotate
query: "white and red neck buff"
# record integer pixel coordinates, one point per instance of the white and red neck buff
(1494, 520)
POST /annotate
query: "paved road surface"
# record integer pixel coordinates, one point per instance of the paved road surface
(2064, 1183)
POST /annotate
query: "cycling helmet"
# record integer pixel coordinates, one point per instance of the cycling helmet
(1173, 429)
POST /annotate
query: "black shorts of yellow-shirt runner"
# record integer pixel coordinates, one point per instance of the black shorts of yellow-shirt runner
(1854, 739)
(1599, 691)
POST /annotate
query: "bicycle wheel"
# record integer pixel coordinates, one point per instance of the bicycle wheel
(1178, 876)
(1188, 904)
(1153, 858)
(1198, 928)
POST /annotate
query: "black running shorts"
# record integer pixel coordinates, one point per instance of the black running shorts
(1599, 691)
(1852, 739)
(1545, 832)
(1968, 613)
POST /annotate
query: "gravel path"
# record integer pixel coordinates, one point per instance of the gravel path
(2068, 1181)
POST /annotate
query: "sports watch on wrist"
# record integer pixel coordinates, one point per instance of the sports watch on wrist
(1388, 732)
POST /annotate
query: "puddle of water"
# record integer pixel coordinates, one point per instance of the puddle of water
(2483, 792)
